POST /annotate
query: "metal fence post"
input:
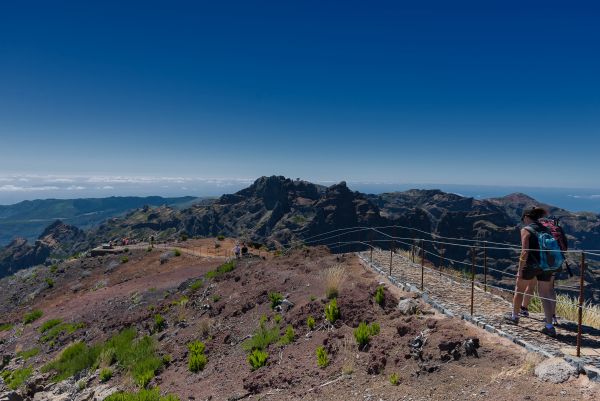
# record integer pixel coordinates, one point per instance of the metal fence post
(472, 278)
(422, 264)
(484, 269)
(580, 311)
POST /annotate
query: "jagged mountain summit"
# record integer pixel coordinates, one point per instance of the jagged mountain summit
(276, 211)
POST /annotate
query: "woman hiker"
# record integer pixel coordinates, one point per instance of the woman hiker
(528, 269)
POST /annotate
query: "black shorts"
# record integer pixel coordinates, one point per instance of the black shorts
(533, 272)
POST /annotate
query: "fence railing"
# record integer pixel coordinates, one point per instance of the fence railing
(435, 248)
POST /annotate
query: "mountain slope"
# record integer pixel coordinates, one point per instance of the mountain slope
(28, 219)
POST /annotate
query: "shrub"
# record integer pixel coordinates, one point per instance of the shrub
(53, 268)
(275, 299)
(262, 337)
(332, 312)
(197, 360)
(224, 268)
(124, 259)
(220, 237)
(105, 375)
(72, 360)
(107, 357)
(196, 285)
(48, 324)
(310, 322)
(333, 278)
(257, 359)
(363, 333)
(183, 237)
(149, 249)
(14, 379)
(159, 323)
(322, 357)
(278, 319)
(380, 296)
(126, 250)
(6, 326)
(29, 353)
(142, 395)
(312, 298)
(137, 356)
(394, 379)
(216, 298)
(289, 336)
(176, 252)
(56, 330)
(32, 316)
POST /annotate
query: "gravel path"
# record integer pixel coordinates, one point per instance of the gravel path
(453, 293)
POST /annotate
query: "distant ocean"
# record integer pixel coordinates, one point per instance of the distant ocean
(14, 189)
(572, 199)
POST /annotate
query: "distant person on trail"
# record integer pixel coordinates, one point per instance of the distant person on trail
(244, 250)
(237, 251)
(530, 268)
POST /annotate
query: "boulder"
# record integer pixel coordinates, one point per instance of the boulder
(555, 370)
(408, 306)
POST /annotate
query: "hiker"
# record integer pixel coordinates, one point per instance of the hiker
(530, 267)
(553, 225)
(244, 250)
(237, 250)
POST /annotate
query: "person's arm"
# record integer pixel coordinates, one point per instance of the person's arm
(524, 251)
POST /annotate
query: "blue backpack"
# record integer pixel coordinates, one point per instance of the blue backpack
(551, 257)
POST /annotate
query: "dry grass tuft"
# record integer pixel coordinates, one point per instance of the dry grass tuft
(567, 308)
(333, 277)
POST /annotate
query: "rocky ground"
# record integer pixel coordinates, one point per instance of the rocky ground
(433, 357)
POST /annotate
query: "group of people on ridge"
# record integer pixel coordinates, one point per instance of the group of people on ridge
(542, 244)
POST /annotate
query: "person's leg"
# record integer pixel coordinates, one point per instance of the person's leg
(520, 288)
(548, 299)
(529, 293)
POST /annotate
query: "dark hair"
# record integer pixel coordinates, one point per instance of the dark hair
(534, 213)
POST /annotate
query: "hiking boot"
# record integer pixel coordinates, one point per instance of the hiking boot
(551, 332)
(508, 318)
(524, 312)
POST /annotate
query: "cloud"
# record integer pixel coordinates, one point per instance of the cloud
(585, 196)
(75, 188)
(16, 188)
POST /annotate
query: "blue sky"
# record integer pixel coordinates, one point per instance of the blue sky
(485, 92)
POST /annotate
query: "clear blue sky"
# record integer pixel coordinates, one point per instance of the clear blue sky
(483, 92)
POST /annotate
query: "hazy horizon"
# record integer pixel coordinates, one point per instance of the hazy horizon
(14, 189)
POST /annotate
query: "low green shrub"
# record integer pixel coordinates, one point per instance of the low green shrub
(53, 268)
(6, 326)
(124, 259)
(394, 379)
(196, 285)
(275, 299)
(197, 360)
(30, 353)
(216, 298)
(176, 252)
(332, 312)
(14, 379)
(48, 324)
(72, 360)
(142, 395)
(32, 316)
(278, 318)
(257, 359)
(262, 337)
(221, 237)
(159, 323)
(364, 332)
(289, 336)
(224, 268)
(52, 333)
(49, 282)
(310, 322)
(380, 296)
(105, 375)
(322, 357)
